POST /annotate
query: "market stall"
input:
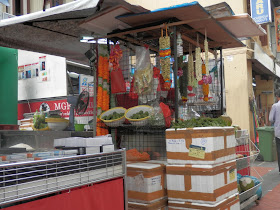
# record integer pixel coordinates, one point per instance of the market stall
(169, 68)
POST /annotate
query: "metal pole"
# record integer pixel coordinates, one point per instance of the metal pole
(175, 69)
(94, 88)
(125, 181)
(222, 81)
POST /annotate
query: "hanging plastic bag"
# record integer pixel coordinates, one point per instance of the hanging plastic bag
(166, 113)
(117, 82)
(157, 117)
(143, 71)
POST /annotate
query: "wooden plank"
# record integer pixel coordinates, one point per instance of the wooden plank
(133, 41)
(186, 38)
(155, 27)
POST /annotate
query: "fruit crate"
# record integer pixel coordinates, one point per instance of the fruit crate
(249, 193)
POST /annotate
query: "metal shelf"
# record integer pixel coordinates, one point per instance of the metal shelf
(21, 181)
(250, 151)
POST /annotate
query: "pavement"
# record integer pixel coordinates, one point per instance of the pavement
(269, 173)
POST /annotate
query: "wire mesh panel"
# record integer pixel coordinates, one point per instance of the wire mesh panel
(21, 181)
(144, 139)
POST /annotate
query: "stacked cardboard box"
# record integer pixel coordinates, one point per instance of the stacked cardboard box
(146, 185)
(201, 170)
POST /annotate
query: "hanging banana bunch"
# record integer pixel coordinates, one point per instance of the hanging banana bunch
(198, 64)
(206, 55)
(205, 85)
(191, 79)
(165, 54)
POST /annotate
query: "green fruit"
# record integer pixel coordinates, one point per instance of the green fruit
(239, 188)
(246, 183)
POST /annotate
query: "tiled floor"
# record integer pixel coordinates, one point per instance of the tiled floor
(270, 200)
(270, 186)
(260, 171)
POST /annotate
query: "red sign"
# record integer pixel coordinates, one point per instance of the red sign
(62, 105)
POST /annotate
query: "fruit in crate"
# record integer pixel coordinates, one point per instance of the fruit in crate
(246, 183)
(239, 156)
(139, 115)
(200, 122)
(226, 119)
(135, 155)
(113, 116)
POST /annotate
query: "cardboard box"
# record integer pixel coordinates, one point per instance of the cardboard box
(206, 184)
(207, 145)
(145, 182)
(231, 203)
(158, 205)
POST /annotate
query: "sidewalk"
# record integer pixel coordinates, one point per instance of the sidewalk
(271, 185)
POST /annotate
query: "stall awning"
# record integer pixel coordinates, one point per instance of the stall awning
(193, 20)
(56, 31)
(242, 26)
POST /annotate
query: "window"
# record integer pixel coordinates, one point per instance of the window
(18, 7)
(56, 2)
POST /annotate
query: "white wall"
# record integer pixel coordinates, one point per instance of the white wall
(33, 88)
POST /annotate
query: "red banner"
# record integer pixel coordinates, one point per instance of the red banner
(63, 105)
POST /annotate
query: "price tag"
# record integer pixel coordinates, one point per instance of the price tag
(232, 175)
(197, 151)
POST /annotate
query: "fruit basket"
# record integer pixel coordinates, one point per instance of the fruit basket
(113, 117)
(57, 124)
(139, 115)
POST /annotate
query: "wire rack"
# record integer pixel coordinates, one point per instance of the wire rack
(21, 181)
(196, 103)
(144, 139)
(250, 151)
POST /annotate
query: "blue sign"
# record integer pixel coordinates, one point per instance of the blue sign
(261, 11)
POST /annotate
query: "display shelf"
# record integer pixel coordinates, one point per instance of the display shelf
(246, 203)
(250, 152)
(21, 181)
(249, 193)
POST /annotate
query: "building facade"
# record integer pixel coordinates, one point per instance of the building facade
(250, 72)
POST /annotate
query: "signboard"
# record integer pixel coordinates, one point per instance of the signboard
(277, 27)
(61, 105)
(261, 11)
(86, 83)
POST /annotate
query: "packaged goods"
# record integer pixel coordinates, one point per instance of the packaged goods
(201, 145)
(201, 183)
(158, 205)
(231, 203)
(145, 182)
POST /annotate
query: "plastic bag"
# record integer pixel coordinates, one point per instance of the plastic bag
(117, 82)
(157, 117)
(39, 120)
(143, 76)
(166, 113)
